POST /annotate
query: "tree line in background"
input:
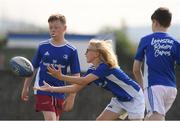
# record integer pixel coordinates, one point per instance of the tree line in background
(125, 52)
(124, 49)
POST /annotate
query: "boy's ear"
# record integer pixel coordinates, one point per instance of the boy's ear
(97, 54)
(153, 21)
(65, 27)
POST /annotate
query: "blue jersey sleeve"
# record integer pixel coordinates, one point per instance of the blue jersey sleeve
(37, 58)
(90, 70)
(101, 70)
(140, 50)
(74, 63)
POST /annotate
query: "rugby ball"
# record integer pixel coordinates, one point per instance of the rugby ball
(21, 66)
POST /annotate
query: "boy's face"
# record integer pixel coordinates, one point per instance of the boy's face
(56, 28)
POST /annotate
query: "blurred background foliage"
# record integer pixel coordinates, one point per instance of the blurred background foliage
(3, 41)
(12, 84)
(125, 50)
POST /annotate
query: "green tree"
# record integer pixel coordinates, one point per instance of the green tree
(124, 49)
(3, 41)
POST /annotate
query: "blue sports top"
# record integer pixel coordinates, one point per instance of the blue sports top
(47, 53)
(160, 52)
(115, 81)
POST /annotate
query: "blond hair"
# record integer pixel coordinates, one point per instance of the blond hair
(105, 50)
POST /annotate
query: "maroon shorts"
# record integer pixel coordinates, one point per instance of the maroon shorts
(48, 103)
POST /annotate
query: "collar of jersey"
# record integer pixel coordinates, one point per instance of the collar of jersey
(66, 42)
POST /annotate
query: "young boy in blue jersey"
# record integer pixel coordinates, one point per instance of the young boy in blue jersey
(54, 51)
(105, 73)
(159, 52)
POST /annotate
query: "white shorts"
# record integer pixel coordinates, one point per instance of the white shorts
(159, 98)
(135, 108)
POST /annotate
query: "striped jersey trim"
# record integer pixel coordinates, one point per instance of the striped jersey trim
(129, 89)
(36, 84)
(71, 46)
(44, 42)
(145, 78)
(150, 98)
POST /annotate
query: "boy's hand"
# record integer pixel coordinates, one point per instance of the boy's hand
(55, 72)
(45, 87)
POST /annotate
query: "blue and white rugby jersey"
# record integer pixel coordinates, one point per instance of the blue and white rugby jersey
(160, 52)
(47, 53)
(115, 81)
